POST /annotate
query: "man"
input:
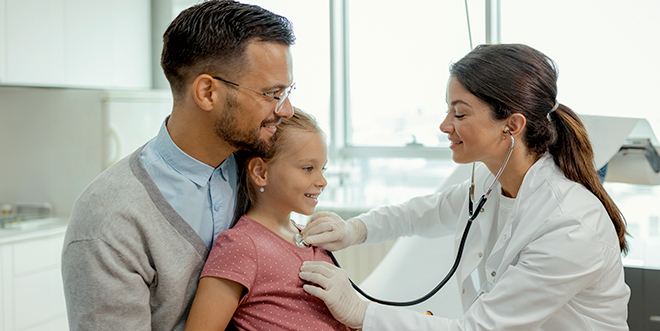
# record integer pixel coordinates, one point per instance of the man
(140, 233)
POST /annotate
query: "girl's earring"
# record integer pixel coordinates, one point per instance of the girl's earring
(261, 189)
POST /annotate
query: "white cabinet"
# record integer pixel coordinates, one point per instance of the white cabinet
(35, 42)
(3, 44)
(76, 43)
(31, 280)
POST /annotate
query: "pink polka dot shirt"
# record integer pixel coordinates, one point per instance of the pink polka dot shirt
(267, 266)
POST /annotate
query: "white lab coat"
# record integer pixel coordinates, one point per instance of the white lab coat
(555, 265)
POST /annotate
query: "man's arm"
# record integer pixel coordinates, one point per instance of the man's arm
(103, 288)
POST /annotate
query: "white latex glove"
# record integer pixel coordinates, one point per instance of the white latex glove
(335, 290)
(329, 231)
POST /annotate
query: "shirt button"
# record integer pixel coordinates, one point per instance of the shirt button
(506, 236)
(217, 207)
(493, 273)
(463, 291)
(481, 254)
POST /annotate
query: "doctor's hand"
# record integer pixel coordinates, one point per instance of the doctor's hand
(332, 286)
(329, 231)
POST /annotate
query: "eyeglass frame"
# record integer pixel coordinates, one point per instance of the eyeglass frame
(280, 100)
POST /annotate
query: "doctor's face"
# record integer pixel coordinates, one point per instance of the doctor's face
(473, 133)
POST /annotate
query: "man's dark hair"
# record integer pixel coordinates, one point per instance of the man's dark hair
(211, 37)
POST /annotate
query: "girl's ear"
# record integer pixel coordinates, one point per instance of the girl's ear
(257, 171)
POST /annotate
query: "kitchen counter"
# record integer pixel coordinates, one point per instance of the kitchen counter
(8, 236)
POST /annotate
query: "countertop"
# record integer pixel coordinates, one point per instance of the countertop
(8, 236)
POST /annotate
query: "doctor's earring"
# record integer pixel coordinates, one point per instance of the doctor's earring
(261, 189)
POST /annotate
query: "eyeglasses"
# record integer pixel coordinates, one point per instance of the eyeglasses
(280, 100)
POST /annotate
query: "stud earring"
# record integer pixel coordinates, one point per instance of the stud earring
(261, 189)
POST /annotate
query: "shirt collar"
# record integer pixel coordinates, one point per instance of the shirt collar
(198, 172)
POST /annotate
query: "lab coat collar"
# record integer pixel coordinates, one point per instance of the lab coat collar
(537, 174)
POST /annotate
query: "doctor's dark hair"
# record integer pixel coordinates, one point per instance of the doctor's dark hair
(247, 195)
(211, 37)
(515, 78)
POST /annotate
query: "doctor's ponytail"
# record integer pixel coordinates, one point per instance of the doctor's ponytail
(573, 154)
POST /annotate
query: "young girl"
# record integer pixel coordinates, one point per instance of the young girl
(251, 276)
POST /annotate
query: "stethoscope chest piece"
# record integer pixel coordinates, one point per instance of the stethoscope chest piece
(298, 238)
(300, 242)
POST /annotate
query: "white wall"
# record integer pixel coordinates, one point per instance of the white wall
(50, 144)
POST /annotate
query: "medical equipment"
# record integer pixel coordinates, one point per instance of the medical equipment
(300, 242)
(473, 213)
(298, 238)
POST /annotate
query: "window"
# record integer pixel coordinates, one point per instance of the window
(399, 59)
(394, 70)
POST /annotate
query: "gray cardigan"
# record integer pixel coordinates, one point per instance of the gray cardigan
(129, 262)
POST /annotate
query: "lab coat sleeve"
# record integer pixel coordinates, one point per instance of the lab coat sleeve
(561, 260)
(102, 292)
(431, 215)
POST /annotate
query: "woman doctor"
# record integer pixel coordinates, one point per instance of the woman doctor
(546, 246)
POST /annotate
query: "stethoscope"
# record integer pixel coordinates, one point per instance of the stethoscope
(473, 213)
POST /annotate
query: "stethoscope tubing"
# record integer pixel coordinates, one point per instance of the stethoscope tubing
(459, 253)
(428, 295)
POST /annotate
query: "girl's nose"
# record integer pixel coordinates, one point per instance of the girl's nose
(322, 183)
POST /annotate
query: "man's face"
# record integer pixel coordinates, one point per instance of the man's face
(248, 120)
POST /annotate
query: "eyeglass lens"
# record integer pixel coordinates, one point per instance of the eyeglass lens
(285, 94)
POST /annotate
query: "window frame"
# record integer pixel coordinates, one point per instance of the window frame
(340, 105)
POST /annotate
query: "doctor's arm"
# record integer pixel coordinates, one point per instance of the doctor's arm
(428, 216)
(548, 274)
(214, 305)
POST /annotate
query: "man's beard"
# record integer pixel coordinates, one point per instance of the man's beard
(227, 128)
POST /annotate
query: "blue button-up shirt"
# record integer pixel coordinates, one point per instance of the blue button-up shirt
(205, 197)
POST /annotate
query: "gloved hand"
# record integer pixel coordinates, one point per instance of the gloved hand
(329, 231)
(335, 290)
